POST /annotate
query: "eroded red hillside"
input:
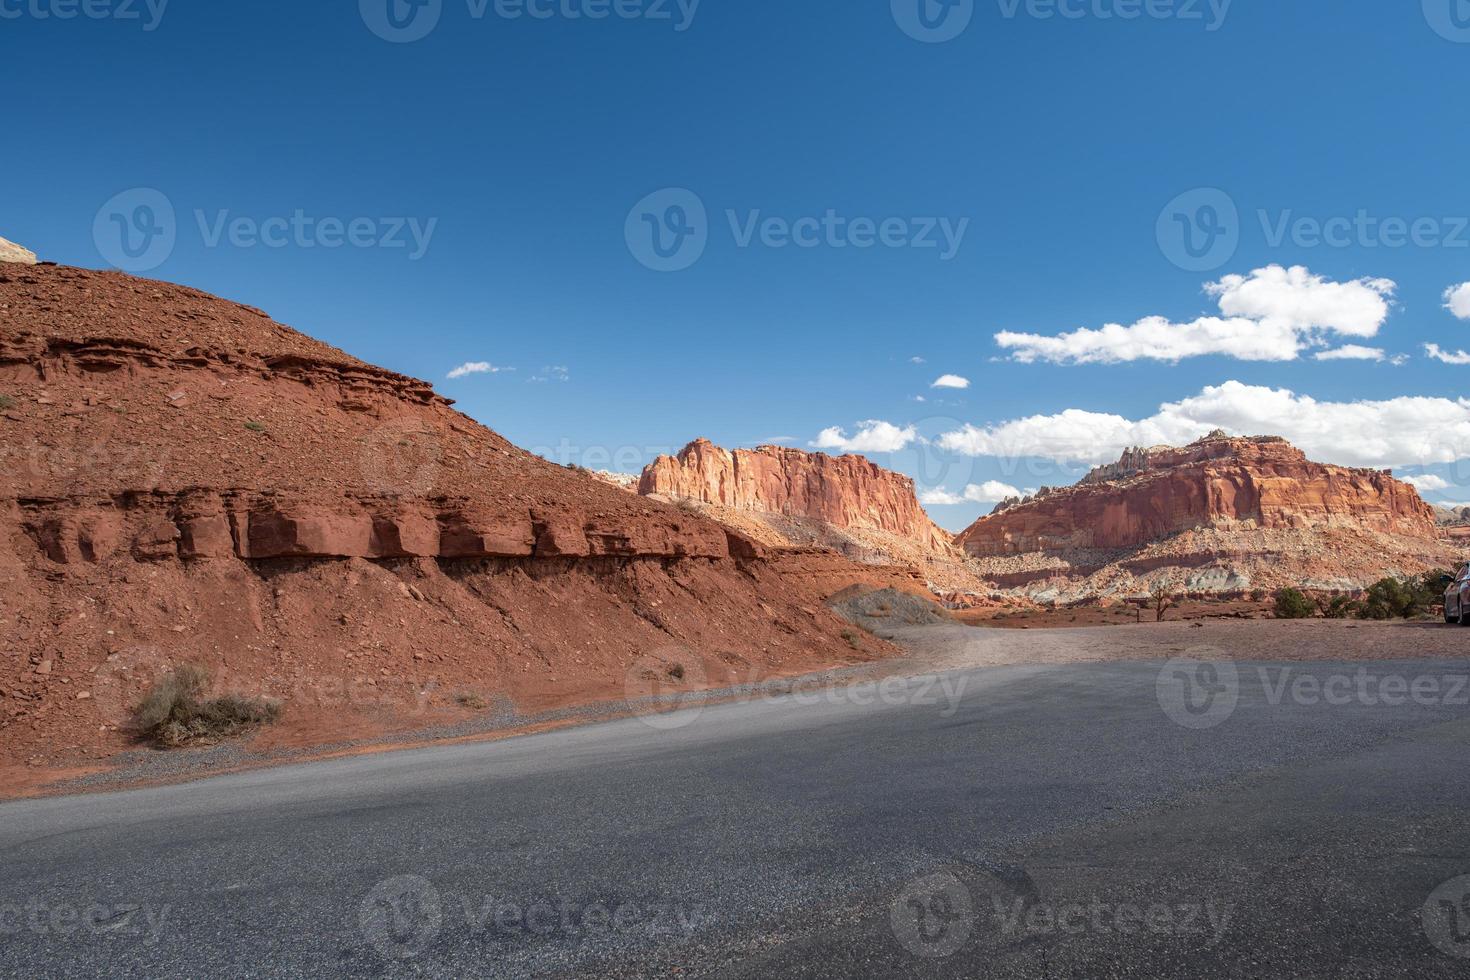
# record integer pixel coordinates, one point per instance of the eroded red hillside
(186, 480)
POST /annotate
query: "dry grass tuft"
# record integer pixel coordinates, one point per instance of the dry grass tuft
(173, 713)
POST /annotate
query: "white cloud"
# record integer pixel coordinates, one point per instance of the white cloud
(1306, 301)
(873, 436)
(989, 492)
(1457, 300)
(475, 367)
(1396, 432)
(1427, 482)
(1351, 352)
(554, 372)
(940, 498)
(916, 360)
(1457, 357)
(1271, 315)
(951, 381)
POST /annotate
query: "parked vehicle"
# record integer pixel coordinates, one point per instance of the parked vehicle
(1457, 597)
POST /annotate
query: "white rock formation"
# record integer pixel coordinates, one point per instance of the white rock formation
(11, 252)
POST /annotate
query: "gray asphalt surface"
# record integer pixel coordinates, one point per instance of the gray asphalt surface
(1049, 821)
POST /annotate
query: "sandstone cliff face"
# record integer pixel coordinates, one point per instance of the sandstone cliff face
(17, 254)
(1252, 511)
(184, 480)
(846, 492)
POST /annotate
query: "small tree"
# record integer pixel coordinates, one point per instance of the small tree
(1163, 601)
(1392, 598)
(1339, 607)
(1292, 604)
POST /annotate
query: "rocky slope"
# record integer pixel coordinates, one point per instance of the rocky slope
(790, 498)
(186, 480)
(1222, 514)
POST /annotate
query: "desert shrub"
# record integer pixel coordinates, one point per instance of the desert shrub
(6, 403)
(1339, 607)
(173, 713)
(255, 426)
(467, 699)
(1393, 598)
(1259, 595)
(852, 639)
(1292, 604)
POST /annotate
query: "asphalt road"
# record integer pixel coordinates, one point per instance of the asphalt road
(1059, 821)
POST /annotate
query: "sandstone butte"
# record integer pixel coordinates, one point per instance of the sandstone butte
(185, 479)
(845, 492)
(1220, 514)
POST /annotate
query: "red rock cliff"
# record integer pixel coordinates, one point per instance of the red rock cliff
(1217, 482)
(184, 480)
(843, 491)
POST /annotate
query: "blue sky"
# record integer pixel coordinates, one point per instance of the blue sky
(501, 169)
